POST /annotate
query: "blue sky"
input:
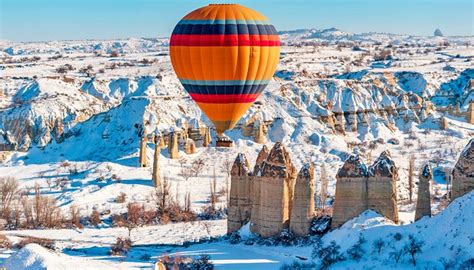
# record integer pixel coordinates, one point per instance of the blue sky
(30, 20)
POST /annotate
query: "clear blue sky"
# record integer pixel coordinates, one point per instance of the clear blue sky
(29, 20)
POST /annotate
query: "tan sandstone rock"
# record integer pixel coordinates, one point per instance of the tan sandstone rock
(423, 203)
(351, 191)
(155, 176)
(275, 189)
(173, 149)
(302, 211)
(463, 172)
(240, 204)
(382, 186)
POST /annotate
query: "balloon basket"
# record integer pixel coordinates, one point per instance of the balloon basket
(224, 142)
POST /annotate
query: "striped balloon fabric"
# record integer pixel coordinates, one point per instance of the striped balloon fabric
(224, 55)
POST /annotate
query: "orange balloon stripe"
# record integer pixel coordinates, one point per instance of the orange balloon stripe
(224, 63)
(224, 111)
(224, 40)
(225, 12)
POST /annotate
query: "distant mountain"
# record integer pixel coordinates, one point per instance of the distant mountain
(334, 35)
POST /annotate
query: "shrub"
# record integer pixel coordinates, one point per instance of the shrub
(413, 247)
(203, 263)
(468, 265)
(378, 245)
(121, 246)
(5, 242)
(46, 243)
(234, 238)
(121, 197)
(286, 238)
(356, 251)
(94, 218)
(396, 254)
(329, 255)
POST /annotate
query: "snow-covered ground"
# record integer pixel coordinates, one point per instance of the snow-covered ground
(72, 108)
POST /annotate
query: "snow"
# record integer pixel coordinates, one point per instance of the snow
(102, 115)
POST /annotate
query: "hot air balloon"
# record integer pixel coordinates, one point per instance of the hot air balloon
(224, 55)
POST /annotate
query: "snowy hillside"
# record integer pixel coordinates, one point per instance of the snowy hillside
(71, 113)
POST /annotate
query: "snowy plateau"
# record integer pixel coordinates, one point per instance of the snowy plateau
(70, 113)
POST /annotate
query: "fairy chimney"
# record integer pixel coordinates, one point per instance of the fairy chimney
(423, 203)
(271, 210)
(207, 138)
(382, 186)
(155, 176)
(189, 147)
(351, 191)
(302, 210)
(463, 172)
(470, 113)
(359, 188)
(444, 124)
(240, 204)
(259, 136)
(262, 155)
(173, 146)
(143, 144)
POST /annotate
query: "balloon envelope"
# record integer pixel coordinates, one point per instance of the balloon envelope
(224, 55)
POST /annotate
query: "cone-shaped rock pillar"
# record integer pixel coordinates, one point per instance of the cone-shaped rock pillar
(463, 172)
(271, 210)
(260, 135)
(302, 210)
(423, 203)
(351, 191)
(173, 149)
(470, 113)
(262, 155)
(189, 147)
(142, 154)
(382, 187)
(155, 176)
(240, 204)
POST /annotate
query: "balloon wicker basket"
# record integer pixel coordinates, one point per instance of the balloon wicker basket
(224, 142)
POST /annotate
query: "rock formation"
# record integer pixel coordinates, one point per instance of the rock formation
(444, 123)
(423, 203)
(382, 187)
(359, 189)
(275, 188)
(351, 191)
(463, 172)
(240, 204)
(259, 136)
(302, 211)
(189, 147)
(207, 138)
(270, 192)
(155, 176)
(262, 155)
(143, 145)
(173, 146)
(470, 113)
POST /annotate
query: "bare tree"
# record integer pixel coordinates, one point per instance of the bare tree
(197, 166)
(75, 216)
(162, 196)
(8, 194)
(185, 172)
(214, 196)
(227, 168)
